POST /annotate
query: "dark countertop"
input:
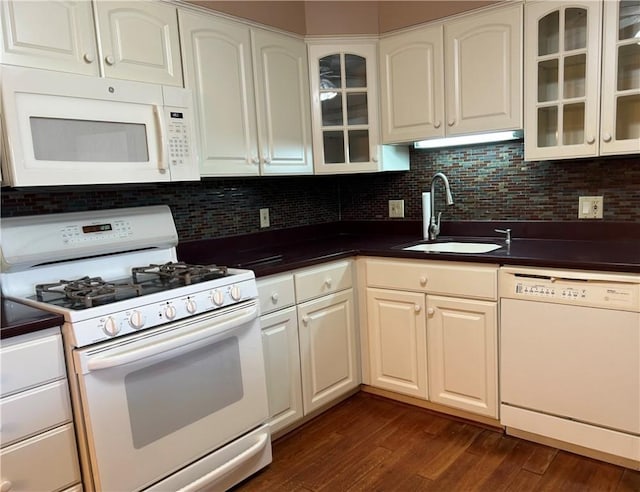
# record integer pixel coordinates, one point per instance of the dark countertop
(18, 319)
(569, 245)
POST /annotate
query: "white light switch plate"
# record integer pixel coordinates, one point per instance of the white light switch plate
(264, 217)
(396, 208)
(590, 207)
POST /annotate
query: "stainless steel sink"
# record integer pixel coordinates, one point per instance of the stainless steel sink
(454, 247)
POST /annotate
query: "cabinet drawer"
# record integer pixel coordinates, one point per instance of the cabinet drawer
(275, 293)
(322, 280)
(47, 461)
(33, 411)
(457, 279)
(28, 361)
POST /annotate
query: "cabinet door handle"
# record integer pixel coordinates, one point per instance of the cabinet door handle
(274, 297)
(606, 137)
(109, 60)
(88, 57)
(423, 280)
(267, 160)
(437, 124)
(417, 308)
(431, 311)
(590, 140)
(451, 122)
(5, 486)
(255, 160)
(305, 320)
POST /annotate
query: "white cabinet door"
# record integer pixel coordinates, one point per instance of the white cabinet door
(412, 85)
(55, 35)
(282, 101)
(483, 74)
(328, 350)
(562, 79)
(463, 354)
(620, 119)
(217, 67)
(282, 366)
(397, 341)
(140, 41)
(344, 94)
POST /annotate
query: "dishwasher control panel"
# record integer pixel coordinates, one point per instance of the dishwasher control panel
(563, 288)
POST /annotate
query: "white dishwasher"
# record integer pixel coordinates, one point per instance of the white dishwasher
(570, 360)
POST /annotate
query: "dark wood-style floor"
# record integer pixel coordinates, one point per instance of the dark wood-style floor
(369, 443)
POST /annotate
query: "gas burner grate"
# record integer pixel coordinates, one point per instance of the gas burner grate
(89, 291)
(180, 272)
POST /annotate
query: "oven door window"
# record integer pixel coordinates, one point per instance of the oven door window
(169, 395)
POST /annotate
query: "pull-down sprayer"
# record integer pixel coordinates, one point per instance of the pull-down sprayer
(434, 225)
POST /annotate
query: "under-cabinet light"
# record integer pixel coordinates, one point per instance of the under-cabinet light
(468, 139)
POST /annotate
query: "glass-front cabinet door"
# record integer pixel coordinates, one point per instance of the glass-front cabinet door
(562, 79)
(620, 130)
(344, 115)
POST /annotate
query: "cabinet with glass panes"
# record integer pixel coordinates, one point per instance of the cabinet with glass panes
(343, 79)
(582, 79)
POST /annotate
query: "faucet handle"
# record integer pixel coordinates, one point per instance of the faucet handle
(507, 232)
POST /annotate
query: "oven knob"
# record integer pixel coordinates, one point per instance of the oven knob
(217, 297)
(170, 312)
(191, 306)
(110, 327)
(136, 320)
(235, 293)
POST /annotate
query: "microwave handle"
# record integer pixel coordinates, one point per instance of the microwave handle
(162, 163)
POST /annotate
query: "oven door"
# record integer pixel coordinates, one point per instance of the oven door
(158, 400)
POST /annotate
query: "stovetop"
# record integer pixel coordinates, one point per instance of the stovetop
(88, 292)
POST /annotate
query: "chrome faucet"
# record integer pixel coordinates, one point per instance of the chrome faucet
(434, 225)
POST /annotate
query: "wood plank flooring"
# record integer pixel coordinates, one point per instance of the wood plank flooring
(368, 443)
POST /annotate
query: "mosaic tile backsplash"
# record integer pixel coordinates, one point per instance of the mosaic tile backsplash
(487, 181)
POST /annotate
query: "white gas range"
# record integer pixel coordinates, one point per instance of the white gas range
(164, 359)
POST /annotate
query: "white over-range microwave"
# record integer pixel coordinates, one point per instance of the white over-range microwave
(67, 129)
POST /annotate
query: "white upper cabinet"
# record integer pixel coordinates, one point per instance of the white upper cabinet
(344, 94)
(251, 104)
(412, 85)
(483, 71)
(575, 109)
(55, 35)
(458, 77)
(137, 40)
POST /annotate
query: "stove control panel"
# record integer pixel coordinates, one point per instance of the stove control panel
(194, 300)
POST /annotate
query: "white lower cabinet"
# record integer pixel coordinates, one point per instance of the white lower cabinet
(37, 435)
(328, 353)
(462, 350)
(398, 341)
(432, 332)
(310, 349)
(282, 365)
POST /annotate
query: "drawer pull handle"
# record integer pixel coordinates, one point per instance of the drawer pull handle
(417, 308)
(274, 298)
(327, 282)
(109, 59)
(88, 58)
(423, 280)
(305, 320)
(431, 311)
(5, 486)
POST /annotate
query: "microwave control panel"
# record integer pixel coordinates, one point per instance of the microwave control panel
(179, 139)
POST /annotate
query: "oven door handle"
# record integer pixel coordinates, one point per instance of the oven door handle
(213, 476)
(192, 340)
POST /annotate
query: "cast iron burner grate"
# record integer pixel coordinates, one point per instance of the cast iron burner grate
(181, 272)
(89, 291)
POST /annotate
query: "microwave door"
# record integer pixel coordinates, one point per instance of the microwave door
(65, 140)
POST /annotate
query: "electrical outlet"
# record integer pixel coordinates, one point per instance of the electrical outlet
(396, 208)
(590, 207)
(264, 217)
